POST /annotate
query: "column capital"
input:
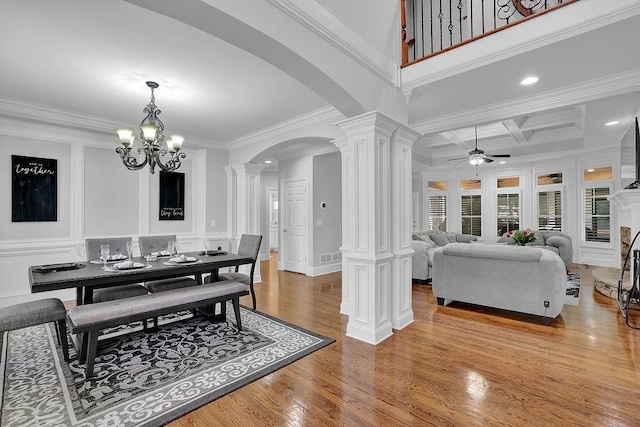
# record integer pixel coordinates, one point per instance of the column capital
(341, 143)
(380, 122)
(248, 168)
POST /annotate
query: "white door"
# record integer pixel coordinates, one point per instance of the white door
(294, 225)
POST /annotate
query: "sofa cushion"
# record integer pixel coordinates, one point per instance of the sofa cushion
(439, 237)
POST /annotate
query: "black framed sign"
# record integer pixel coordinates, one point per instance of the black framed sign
(171, 196)
(34, 189)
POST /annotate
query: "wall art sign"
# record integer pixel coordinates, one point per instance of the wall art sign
(34, 189)
(171, 196)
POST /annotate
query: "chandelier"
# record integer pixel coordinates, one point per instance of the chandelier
(155, 145)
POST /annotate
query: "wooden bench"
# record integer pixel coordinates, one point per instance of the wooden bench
(88, 320)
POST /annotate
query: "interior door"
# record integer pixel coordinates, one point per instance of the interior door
(294, 228)
(272, 197)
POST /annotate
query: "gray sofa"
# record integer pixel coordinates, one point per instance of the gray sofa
(523, 279)
(551, 240)
(424, 243)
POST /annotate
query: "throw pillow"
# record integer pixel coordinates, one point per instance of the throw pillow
(424, 237)
(451, 237)
(439, 237)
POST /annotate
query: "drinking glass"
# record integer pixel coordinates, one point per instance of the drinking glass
(104, 254)
(206, 246)
(130, 249)
(171, 247)
(80, 250)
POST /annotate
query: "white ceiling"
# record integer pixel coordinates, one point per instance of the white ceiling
(93, 57)
(565, 111)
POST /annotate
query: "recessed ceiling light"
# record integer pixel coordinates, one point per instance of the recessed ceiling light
(502, 162)
(615, 122)
(529, 81)
(268, 162)
(591, 170)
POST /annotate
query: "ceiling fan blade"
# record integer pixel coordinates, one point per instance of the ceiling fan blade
(459, 158)
(498, 155)
(488, 160)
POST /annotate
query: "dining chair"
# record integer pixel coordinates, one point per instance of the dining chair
(149, 244)
(117, 245)
(249, 246)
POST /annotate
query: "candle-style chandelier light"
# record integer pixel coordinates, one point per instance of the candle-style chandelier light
(154, 144)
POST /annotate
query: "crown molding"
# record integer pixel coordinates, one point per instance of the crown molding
(632, 8)
(595, 89)
(317, 116)
(321, 21)
(82, 124)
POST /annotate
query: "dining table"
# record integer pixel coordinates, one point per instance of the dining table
(89, 275)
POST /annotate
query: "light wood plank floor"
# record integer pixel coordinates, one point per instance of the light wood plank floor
(454, 366)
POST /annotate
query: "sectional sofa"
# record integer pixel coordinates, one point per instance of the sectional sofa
(424, 243)
(553, 241)
(523, 279)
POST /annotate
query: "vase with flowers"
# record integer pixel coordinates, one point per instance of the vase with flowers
(522, 237)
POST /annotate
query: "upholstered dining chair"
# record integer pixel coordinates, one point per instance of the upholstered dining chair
(249, 246)
(117, 245)
(150, 244)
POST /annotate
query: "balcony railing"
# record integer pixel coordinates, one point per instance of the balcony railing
(430, 27)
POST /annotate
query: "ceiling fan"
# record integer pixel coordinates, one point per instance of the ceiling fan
(477, 157)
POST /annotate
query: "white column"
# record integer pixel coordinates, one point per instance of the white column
(344, 152)
(243, 196)
(401, 220)
(376, 161)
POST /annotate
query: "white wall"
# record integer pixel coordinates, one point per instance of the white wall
(327, 238)
(97, 196)
(379, 24)
(111, 195)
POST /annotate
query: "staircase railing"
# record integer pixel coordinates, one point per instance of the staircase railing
(430, 27)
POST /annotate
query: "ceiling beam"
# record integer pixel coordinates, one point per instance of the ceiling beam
(514, 128)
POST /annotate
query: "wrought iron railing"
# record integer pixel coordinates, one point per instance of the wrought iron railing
(430, 27)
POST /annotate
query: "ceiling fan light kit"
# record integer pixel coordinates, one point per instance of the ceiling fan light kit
(477, 157)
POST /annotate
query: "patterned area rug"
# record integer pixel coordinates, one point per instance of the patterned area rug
(143, 379)
(573, 290)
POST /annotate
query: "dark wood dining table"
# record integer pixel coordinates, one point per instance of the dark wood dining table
(86, 276)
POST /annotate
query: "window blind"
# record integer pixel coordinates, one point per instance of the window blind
(508, 213)
(438, 213)
(471, 213)
(597, 219)
(550, 210)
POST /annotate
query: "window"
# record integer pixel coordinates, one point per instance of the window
(437, 185)
(471, 184)
(550, 210)
(508, 213)
(597, 220)
(597, 174)
(549, 178)
(507, 182)
(438, 213)
(472, 214)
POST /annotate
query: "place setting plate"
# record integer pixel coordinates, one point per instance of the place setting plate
(109, 261)
(185, 260)
(134, 266)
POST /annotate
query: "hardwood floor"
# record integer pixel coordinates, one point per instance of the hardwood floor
(457, 366)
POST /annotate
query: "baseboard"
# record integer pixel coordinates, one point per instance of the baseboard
(324, 269)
